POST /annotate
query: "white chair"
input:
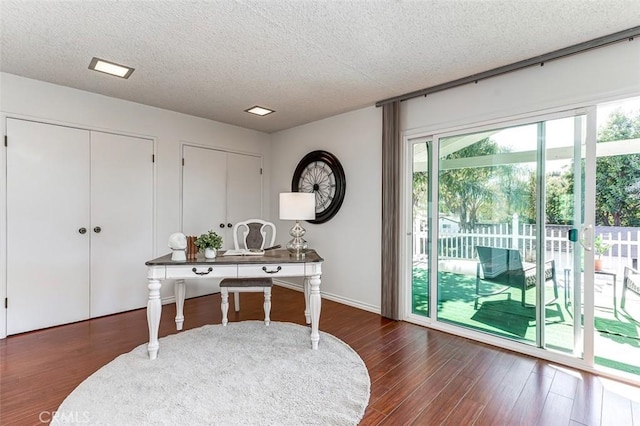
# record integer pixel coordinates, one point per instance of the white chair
(255, 233)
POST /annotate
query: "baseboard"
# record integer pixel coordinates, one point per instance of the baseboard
(298, 287)
(168, 300)
(332, 297)
(172, 299)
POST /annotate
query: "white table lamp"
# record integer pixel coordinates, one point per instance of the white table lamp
(297, 206)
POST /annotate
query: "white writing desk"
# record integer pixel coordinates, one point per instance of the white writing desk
(274, 264)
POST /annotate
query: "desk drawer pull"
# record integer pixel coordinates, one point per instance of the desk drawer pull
(195, 271)
(264, 268)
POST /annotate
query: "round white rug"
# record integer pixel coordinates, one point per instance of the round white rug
(241, 374)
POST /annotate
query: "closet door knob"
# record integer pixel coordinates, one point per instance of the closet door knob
(97, 229)
(82, 230)
(222, 225)
(229, 225)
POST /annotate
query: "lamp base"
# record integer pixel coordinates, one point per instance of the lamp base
(297, 246)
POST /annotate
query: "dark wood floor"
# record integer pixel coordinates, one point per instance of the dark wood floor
(418, 376)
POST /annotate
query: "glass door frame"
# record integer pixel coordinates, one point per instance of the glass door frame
(585, 359)
(406, 223)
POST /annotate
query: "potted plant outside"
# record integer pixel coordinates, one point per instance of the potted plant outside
(601, 248)
(209, 243)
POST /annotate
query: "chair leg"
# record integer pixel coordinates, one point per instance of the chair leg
(236, 301)
(475, 302)
(224, 307)
(267, 305)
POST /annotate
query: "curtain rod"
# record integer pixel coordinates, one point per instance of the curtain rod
(537, 60)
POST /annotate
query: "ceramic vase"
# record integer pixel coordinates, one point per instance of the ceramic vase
(210, 253)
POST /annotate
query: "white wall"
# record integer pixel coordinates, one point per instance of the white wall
(598, 75)
(350, 241)
(26, 98)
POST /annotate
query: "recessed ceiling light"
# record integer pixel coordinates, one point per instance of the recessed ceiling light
(112, 68)
(258, 110)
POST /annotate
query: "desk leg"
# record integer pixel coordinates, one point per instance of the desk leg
(306, 287)
(154, 310)
(315, 303)
(178, 289)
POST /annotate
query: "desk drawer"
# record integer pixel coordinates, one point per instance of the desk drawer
(202, 271)
(272, 270)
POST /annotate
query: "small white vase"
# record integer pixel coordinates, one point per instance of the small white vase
(210, 253)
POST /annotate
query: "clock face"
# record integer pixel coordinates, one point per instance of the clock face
(320, 172)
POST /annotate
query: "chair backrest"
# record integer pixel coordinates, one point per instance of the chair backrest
(496, 260)
(253, 234)
(631, 280)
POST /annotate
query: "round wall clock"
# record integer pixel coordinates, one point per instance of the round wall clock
(320, 172)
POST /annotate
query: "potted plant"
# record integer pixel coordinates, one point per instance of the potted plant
(601, 248)
(210, 243)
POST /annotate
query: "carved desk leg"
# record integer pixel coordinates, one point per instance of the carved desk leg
(178, 289)
(224, 307)
(154, 310)
(267, 305)
(315, 302)
(307, 313)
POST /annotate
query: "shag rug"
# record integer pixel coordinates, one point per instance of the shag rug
(243, 374)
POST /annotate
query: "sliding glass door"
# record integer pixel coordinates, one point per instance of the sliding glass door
(530, 231)
(497, 215)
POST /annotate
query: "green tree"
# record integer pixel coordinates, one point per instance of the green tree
(559, 198)
(618, 176)
(531, 212)
(512, 195)
(465, 190)
(420, 192)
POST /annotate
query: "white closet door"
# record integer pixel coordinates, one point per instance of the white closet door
(244, 187)
(204, 191)
(47, 205)
(121, 221)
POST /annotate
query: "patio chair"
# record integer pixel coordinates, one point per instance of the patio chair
(631, 282)
(504, 267)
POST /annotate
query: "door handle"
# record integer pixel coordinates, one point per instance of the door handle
(229, 225)
(97, 229)
(82, 230)
(588, 246)
(222, 225)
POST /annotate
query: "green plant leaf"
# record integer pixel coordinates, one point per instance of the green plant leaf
(209, 240)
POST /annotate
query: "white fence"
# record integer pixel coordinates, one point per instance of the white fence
(624, 243)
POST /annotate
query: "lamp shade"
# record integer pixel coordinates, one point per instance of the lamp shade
(297, 206)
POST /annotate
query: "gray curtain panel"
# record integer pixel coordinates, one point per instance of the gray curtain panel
(391, 179)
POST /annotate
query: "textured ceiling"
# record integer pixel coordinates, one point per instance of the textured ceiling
(306, 59)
